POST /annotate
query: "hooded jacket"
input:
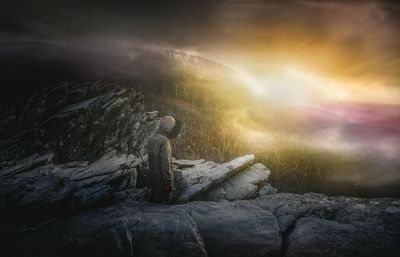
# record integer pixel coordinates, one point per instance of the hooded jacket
(160, 162)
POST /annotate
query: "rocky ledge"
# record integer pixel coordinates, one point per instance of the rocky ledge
(274, 225)
(73, 181)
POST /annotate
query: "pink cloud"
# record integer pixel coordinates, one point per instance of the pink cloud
(368, 128)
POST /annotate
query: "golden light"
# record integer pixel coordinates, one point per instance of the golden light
(293, 85)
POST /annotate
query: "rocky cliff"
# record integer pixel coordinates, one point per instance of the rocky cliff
(73, 183)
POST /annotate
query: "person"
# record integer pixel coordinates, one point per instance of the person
(160, 160)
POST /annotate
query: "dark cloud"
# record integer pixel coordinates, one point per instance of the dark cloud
(359, 38)
(177, 21)
(161, 19)
(186, 22)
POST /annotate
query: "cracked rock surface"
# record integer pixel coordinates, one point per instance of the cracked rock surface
(275, 225)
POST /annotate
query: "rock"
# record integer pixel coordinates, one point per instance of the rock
(393, 210)
(206, 180)
(35, 198)
(202, 176)
(151, 115)
(320, 237)
(236, 229)
(76, 122)
(243, 185)
(267, 189)
(54, 190)
(74, 146)
(287, 208)
(320, 226)
(144, 229)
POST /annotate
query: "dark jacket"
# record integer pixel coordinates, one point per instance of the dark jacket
(160, 163)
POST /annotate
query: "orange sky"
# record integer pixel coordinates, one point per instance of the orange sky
(345, 50)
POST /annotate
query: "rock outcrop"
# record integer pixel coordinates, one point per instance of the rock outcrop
(71, 147)
(235, 180)
(73, 157)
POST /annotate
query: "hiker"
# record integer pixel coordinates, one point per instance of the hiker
(160, 160)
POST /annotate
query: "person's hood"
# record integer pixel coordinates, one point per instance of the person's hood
(166, 125)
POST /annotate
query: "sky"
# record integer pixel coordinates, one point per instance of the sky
(355, 42)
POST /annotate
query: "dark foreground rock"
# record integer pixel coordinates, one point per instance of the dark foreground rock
(275, 225)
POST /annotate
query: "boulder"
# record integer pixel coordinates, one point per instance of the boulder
(236, 229)
(202, 176)
(318, 225)
(243, 185)
(288, 208)
(320, 237)
(267, 189)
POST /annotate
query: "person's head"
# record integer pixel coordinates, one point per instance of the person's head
(169, 126)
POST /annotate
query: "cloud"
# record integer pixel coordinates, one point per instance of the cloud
(366, 129)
